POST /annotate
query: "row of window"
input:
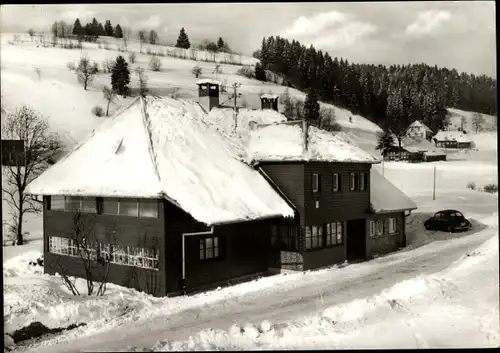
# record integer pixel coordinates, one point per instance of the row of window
(357, 182)
(377, 227)
(324, 235)
(117, 254)
(109, 206)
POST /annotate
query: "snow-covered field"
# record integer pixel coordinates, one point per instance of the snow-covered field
(431, 294)
(456, 116)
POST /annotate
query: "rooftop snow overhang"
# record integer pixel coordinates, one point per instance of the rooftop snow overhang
(255, 162)
(208, 81)
(380, 211)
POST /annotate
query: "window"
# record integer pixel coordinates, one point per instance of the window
(274, 235)
(210, 248)
(117, 254)
(128, 207)
(315, 182)
(353, 182)
(336, 182)
(285, 237)
(334, 233)
(148, 208)
(392, 225)
(380, 227)
(110, 206)
(362, 181)
(372, 229)
(314, 237)
(57, 203)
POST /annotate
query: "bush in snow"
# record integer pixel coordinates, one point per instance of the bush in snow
(107, 65)
(98, 111)
(71, 66)
(132, 57)
(471, 185)
(197, 71)
(246, 71)
(155, 63)
(491, 188)
(86, 71)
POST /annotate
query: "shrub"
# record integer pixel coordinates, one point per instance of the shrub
(132, 57)
(107, 65)
(246, 71)
(471, 185)
(71, 66)
(148, 51)
(155, 63)
(98, 111)
(491, 188)
(197, 71)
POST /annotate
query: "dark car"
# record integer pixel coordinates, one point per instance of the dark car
(448, 221)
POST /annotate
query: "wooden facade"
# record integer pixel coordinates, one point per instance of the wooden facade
(453, 144)
(385, 233)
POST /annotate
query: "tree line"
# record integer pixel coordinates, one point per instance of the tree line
(392, 97)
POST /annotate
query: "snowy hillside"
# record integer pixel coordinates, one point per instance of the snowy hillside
(456, 116)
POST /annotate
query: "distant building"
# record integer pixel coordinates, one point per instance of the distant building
(269, 101)
(418, 129)
(452, 140)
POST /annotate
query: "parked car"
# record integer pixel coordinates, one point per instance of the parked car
(448, 221)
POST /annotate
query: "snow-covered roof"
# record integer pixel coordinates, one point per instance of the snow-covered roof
(435, 152)
(162, 148)
(204, 81)
(458, 136)
(385, 197)
(285, 142)
(418, 123)
(269, 96)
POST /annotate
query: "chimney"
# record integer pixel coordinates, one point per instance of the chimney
(305, 130)
(208, 93)
(269, 101)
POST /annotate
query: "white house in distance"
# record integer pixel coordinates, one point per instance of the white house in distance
(452, 139)
(418, 129)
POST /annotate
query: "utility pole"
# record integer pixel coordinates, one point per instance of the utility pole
(235, 109)
(434, 186)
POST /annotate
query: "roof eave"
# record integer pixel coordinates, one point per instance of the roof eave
(243, 220)
(394, 211)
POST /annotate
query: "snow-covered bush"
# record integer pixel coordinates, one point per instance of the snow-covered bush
(155, 63)
(132, 57)
(471, 185)
(71, 66)
(246, 71)
(491, 188)
(98, 111)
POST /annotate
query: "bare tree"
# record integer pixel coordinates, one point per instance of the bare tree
(197, 71)
(132, 57)
(153, 37)
(85, 71)
(478, 121)
(92, 253)
(109, 94)
(143, 88)
(463, 123)
(155, 63)
(40, 146)
(126, 37)
(327, 119)
(142, 38)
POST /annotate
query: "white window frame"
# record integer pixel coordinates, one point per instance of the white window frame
(373, 229)
(362, 185)
(380, 227)
(352, 182)
(336, 179)
(393, 226)
(315, 182)
(216, 248)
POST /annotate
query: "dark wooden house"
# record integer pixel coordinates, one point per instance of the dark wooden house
(269, 101)
(163, 214)
(208, 93)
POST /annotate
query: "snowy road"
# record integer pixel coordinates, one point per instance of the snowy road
(288, 302)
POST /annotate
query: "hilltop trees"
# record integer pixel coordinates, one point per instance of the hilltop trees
(118, 33)
(183, 40)
(120, 76)
(108, 29)
(153, 37)
(260, 74)
(78, 30)
(478, 121)
(311, 108)
(385, 95)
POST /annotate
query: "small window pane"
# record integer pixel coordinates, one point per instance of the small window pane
(110, 206)
(216, 251)
(128, 207)
(148, 208)
(315, 181)
(89, 205)
(57, 203)
(210, 253)
(216, 242)
(73, 203)
(308, 243)
(209, 242)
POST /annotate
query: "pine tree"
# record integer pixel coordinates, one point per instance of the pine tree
(311, 108)
(100, 29)
(220, 44)
(78, 30)
(384, 141)
(95, 27)
(118, 33)
(183, 40)
(260, 73)
(153, 37)
(108, 29)
(120, 76)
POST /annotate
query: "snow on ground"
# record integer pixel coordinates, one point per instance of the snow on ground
(457, 114)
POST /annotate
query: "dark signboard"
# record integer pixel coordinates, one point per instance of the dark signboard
(13, 152)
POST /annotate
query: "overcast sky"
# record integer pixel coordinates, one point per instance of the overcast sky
(457, 34)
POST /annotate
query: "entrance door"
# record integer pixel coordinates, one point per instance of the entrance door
(356, 240)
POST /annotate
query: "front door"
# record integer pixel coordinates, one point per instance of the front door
(356, 239)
